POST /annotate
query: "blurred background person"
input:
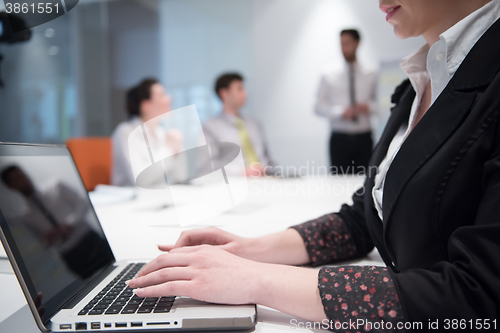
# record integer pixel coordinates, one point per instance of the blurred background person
(232, 126)
(146, 102)
(57, 216)
(83, 97)
(347, 96)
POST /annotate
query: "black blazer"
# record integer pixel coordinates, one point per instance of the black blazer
(441, 204)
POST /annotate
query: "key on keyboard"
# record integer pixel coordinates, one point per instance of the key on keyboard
(117, 298)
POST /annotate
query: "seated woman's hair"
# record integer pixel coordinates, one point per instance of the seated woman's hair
(137, 94)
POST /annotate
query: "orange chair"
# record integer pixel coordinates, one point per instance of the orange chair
(93, 160)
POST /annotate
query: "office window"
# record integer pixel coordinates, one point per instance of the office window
(38, 101)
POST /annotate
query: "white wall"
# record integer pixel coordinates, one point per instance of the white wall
(199, 40)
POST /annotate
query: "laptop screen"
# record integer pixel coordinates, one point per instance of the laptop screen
(49, 224)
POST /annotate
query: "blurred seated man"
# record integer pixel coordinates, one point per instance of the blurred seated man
(146, 102)
(232, 127)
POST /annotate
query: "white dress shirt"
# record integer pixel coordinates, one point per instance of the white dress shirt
(123, 174)
(223, 129)
(437, 64)
(333, 96)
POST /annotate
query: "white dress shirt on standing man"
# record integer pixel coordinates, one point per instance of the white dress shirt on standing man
(334, 96)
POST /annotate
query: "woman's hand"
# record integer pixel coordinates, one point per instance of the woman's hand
(205, 273)
(240, 246)
(208, 273)
(286, 247)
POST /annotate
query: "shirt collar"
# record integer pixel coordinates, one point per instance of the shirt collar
(416, 62)
(462, 37)
(232, 118)
(348, 64)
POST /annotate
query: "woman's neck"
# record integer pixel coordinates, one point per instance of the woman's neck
(151, 122)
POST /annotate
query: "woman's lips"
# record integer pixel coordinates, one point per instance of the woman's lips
(390, 11)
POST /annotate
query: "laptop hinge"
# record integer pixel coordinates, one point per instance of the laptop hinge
(85, 291)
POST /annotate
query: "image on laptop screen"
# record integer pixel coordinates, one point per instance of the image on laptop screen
(50, 225)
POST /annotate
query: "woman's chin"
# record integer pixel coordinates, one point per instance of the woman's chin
(401, 33)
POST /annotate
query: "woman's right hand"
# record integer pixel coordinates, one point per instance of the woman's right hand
(285, 247)
(240, 246)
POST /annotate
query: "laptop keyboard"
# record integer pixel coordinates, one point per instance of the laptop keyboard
(118, 298)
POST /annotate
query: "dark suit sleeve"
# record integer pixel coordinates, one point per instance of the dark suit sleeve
(467, 285)
(337, 236)
(364, 295)
(350, 293)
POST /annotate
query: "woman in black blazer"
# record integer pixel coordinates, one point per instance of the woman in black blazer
(432, 209)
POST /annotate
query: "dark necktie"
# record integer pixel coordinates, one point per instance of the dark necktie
(43, 209)
(352, 88)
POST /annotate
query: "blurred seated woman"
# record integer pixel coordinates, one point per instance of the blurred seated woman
(146, 103)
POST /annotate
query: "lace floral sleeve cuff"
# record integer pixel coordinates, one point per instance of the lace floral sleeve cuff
(327, 240)
(360, 294)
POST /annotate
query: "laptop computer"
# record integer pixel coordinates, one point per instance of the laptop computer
(64, 264)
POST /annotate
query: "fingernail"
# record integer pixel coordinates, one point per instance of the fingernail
(126, 282)
(135, 291)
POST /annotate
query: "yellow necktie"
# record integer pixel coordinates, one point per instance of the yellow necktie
(247, 146)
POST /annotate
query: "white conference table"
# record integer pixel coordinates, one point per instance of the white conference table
(134, 226)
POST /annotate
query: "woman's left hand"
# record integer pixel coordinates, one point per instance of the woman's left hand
(211, 274)
(204, 272)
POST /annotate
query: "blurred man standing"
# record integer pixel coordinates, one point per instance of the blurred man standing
(232, 127)
(347, 97)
